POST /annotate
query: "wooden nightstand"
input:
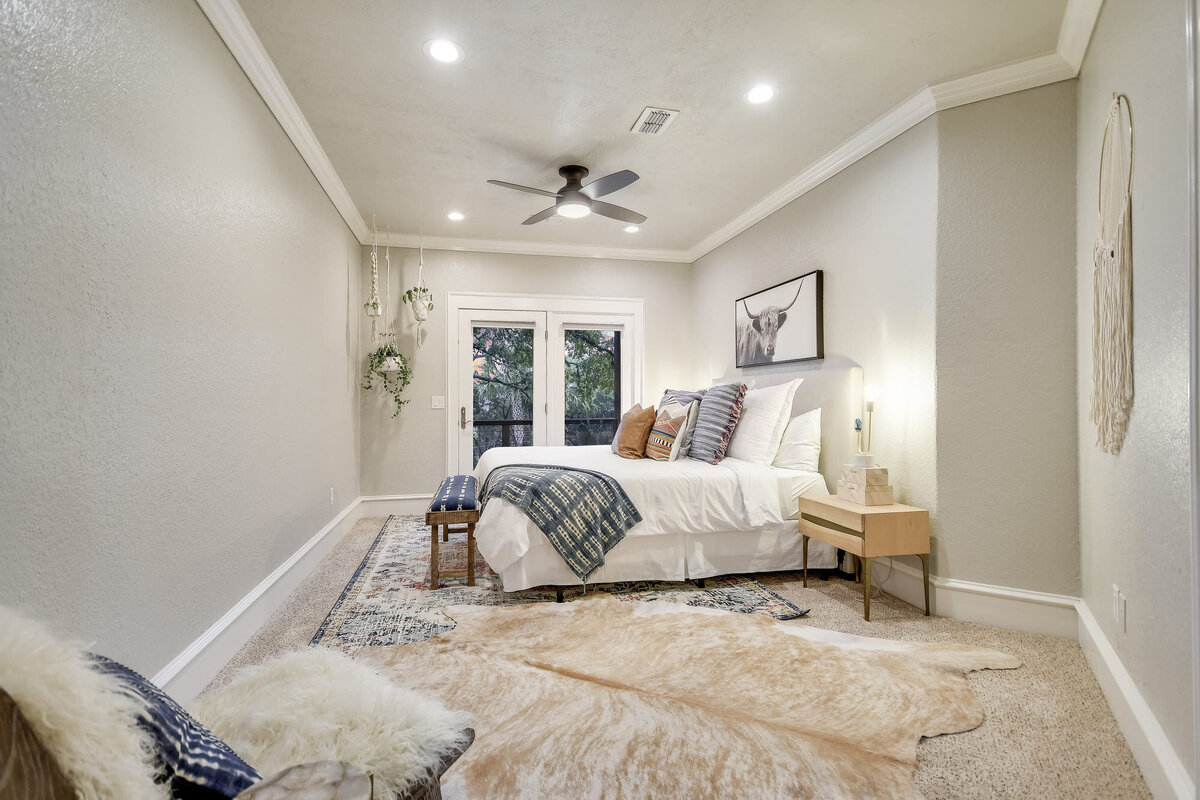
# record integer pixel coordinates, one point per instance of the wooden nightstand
(867, 532)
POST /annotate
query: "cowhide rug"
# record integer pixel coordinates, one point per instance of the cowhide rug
(599, 699)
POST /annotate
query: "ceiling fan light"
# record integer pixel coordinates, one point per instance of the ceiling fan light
(443, 50)
(573, 210)
(455, 216)
(631, 229)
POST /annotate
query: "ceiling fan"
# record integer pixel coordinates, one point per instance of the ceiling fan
(575, 200)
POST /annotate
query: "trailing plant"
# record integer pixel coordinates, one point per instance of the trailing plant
(389, 369)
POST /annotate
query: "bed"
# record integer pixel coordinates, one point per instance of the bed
(699, 520)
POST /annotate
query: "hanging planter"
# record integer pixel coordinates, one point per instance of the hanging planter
(421, 301)
(390, 370)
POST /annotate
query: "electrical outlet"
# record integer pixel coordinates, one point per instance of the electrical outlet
(330, 495)
(1116, 604)
(438, 401)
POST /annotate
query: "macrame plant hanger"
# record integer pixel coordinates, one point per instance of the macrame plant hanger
(372, 306)
(419, 307)
(388, 334)
(1112, 299)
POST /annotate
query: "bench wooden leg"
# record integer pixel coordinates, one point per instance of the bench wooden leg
(470, 554)
(433, 557)
(445, 533)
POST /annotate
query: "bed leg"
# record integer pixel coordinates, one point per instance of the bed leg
(699, 583)
(558, 594)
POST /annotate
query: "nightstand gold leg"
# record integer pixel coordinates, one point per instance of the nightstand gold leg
(925, 569)
(866, 572)
(804, 547)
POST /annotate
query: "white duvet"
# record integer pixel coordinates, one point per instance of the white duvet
(683, 496)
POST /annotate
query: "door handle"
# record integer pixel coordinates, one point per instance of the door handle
(462, 417)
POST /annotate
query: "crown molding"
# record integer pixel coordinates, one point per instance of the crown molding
(1079, 19)
(239, 36)
(534, 248)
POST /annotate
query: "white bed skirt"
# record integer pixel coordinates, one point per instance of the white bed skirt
(670, 557)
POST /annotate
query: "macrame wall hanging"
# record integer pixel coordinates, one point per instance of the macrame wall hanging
(1112, 299)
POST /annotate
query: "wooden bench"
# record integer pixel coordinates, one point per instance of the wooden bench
(455, 509)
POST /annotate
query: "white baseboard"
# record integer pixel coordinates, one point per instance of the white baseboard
(193, 669)
(1002, 606)
(382, 505)
(1161, 766)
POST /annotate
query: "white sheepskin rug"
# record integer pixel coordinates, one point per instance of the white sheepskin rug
(78, 714)
(318, 704)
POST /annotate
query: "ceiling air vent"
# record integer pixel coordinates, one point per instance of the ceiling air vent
(654, 120)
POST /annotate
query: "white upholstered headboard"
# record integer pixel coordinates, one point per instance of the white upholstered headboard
(833, 385)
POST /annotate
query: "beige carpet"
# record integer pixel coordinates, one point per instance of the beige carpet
(1047, 730)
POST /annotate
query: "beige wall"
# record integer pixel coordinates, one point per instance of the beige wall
(1134, 507)
(407, 455)
(1006, 342)
(973, 355)
(871, 228)
(177, 379)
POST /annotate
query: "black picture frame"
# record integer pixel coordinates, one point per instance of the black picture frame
(757, 330)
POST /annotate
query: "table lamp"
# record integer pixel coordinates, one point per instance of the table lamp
(863, 457)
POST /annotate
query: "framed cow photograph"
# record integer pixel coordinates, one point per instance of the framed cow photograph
(781, 323)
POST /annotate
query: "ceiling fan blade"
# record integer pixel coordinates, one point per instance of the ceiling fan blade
(521, 188)
(617, 212)
(610, 183)
(541, 215)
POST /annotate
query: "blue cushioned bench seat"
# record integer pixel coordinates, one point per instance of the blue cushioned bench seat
(457, 493)
(455, 509)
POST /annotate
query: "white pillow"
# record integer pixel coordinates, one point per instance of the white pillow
(801, 445)
(761, 424)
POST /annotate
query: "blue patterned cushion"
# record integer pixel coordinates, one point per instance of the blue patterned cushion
(457, 493)
(196, 762)
(719, 412)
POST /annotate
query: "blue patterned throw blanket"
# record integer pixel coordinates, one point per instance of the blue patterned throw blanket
(583, 514)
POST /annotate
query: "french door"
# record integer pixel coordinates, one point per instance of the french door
(549, 376)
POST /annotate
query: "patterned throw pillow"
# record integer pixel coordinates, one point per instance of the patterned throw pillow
(683, 397)
(197, 763)
(718, 416)
(664, 441)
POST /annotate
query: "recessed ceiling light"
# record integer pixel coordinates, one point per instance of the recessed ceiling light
(443, 50)
(632, 229)
(760, 94)
(573, 210)
(455, 216)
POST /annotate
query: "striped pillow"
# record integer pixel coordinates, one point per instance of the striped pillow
(683, 397)
(719, 412)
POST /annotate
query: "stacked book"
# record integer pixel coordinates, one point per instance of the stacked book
(866, 486)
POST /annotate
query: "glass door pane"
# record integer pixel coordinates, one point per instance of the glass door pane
(502, 388)
(591, 385)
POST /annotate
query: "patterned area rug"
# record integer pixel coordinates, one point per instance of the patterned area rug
(388, 600)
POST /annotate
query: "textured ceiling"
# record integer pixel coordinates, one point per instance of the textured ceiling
(551, 83)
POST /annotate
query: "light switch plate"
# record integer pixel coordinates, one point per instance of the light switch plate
(438, 401)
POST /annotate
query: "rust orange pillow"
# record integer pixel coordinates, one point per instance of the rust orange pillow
(632, 433)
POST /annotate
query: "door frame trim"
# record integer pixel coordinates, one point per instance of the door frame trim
(632, 307)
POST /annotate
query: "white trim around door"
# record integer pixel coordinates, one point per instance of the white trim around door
(560, 313)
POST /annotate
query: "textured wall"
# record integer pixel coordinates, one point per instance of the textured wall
(407, 455)
(871, 229)
(1134, 507)
(1006, 443)
(177, 376)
